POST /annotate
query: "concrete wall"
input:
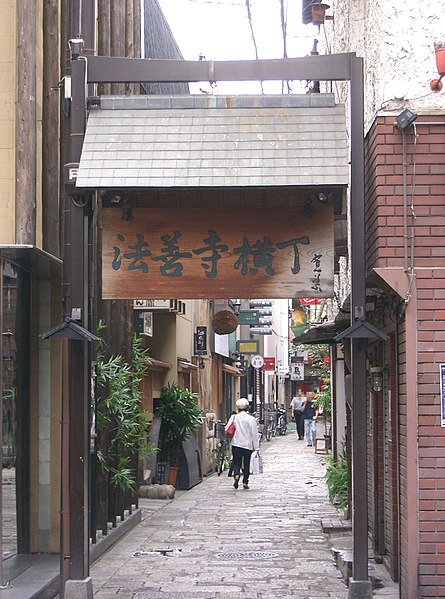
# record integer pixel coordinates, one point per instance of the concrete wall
(396, 41)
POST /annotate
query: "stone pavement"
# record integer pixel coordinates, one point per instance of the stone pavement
(215, 542)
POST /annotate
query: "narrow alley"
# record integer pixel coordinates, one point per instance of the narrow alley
(217, 542)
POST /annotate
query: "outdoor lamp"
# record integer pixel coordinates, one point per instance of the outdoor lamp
(323, 197)
(377, 378)
(439, 50)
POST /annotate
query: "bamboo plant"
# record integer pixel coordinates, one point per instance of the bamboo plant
(118, 411)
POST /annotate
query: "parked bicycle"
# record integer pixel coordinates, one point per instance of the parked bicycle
(271, 424)
(223, 457)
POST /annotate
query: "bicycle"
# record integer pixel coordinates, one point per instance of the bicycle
(270, 425)
(223, 458)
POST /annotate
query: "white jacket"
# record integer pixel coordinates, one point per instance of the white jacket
(246, 431)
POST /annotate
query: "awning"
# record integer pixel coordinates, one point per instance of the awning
(186, 365)
(215, 141)
(153, 364)
(39, 263)
(232, 370)
(324, 332)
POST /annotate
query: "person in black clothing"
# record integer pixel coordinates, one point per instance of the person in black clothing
(296, 406)
(310, 419)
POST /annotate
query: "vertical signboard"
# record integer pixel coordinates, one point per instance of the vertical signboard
(297, 371)
(201, 341)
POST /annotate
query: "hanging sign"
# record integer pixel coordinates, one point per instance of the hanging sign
(269, 363)
(246, 346)
(297, 371)
(257, 361)
(201, 341)
(249, 317)
(206, 252)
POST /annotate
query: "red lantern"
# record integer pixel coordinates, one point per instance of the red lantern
(439, 48)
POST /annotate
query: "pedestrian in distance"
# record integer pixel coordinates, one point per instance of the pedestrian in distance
(310, 413)
(244, 442)
(297, 413)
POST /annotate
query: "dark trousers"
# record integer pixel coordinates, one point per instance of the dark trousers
(299, 423)
(241, 461)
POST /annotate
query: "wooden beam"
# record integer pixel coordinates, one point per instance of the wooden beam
(50, 135)
(26, 124)
(104, 38)
(117, 35)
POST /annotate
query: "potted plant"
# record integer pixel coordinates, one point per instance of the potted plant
(180, 416)
(323, 402)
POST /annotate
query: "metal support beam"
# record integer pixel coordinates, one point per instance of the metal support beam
(359, 585)
(75, 487)
(332, 67)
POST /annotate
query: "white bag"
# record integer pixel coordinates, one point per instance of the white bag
(256, 463)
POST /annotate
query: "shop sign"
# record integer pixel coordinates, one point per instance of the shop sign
(297, 371)
(249, 317)
(247, 347)
(257, 361)
(195, 253)
(269, 363)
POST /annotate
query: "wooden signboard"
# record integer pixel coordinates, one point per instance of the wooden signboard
(216, 252)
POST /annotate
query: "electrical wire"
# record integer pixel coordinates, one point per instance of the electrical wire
(252, 33)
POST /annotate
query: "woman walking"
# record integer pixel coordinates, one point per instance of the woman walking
(244, 442)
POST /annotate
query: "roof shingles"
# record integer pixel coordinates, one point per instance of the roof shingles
(247, 145)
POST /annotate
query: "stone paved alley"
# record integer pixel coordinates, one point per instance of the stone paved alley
(215, 542)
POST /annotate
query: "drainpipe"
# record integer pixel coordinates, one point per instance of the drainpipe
(411, 343)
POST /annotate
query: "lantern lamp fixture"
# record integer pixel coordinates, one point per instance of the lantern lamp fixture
(436, 85)
(377, 378)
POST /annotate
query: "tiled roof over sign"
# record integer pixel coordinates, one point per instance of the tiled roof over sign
(209, 141)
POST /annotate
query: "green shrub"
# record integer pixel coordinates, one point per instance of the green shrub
(181, 416)
(337, 480)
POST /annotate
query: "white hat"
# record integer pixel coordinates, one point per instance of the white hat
(242, 403)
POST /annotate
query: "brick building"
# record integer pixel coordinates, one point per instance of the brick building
(405, 270)
(405, 216)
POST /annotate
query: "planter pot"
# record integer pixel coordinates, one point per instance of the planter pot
(173, 475)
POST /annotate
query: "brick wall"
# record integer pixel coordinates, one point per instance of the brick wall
(423, 249)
